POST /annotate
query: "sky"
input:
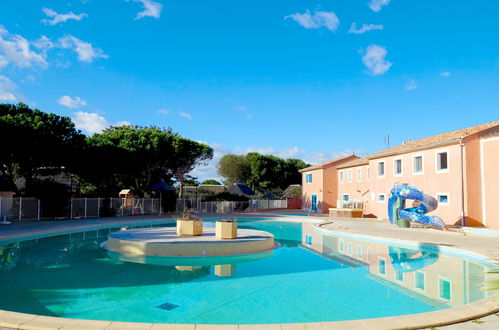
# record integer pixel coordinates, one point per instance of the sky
(297, 79)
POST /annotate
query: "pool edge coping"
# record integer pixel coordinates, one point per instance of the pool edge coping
(464, 313)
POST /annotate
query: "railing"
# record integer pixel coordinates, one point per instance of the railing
(350, 204)
(28, 208)
(228, 206)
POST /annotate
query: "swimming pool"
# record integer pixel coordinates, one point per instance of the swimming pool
(311, 277)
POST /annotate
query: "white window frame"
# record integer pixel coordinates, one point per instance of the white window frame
(384, 169)
(350, 176)
(437, 152)
(349, 248)
(438, 194)
(360, 253)
(414, 164)
(341, 245)
(359, 177)
(367, 174)
(342, 176)
(381, 201)
(416, 280)
(395, 167)
(403, 277)
(386, 266)
(450, 288)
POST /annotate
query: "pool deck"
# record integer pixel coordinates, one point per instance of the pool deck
(482, 246)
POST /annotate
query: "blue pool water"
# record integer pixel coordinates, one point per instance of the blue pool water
(309, 278)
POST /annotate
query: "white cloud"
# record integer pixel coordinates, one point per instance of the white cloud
(8, 89)
(445, 74)
(411, 85)
(86, 52)
(163, 111)
(185, 115)
(92, 122)
(71, 102)
(151, 9)
(16, 50)
(319, 19)
(60, 18)
(374, 60)
(377, 5)
(364, 28)
(43, 43)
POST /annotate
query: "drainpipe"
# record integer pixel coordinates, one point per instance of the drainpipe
(462, 182)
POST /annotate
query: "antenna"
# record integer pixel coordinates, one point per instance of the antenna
(387, 140)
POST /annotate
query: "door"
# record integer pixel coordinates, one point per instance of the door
(313, 206)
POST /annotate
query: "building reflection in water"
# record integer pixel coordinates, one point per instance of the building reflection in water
(422, 273)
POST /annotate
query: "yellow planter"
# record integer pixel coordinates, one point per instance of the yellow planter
(226, 229)
(189, 228)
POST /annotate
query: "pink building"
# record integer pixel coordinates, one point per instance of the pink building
(319, 185)
(458, 168)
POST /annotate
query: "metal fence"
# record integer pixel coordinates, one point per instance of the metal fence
(228, 207)
(27, 208)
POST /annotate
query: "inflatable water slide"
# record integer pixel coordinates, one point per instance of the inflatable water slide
(400, 215)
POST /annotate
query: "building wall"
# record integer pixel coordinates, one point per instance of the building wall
(473, 190)
(311, 188)
(489, 180)
(358, 187)
(430, 181)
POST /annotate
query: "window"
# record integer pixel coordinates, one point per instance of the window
(342, 246)
(349, 248)
(397, 167)
(342, 176)
(308, 178)
(359, 251)
(418, 164)
(444, 289)
(442, 161)
(308, 239)
(367, 173)
(345, 197)
(399, 276)
(349, 175)
(381, 266)
(381, 169)
(359, 175)
(442, 198)
(420, 280)
(381, 198)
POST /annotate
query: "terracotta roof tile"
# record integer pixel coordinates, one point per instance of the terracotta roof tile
(434, 140)
(329, 162)
(355, 162)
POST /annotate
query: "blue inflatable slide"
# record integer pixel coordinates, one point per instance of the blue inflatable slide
(400, 215)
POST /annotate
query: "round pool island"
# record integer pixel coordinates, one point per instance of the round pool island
(164, 242)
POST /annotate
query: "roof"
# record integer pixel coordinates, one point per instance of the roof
(125, 192)
(329, 162)
(445, 138)
(355, 162)
(161, 185)
(268, 195)
(242, 188)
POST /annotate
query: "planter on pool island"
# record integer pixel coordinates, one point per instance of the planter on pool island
(189, 227)
(226, 229)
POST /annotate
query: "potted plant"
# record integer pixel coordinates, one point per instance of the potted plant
(226, 229)
(188, 224)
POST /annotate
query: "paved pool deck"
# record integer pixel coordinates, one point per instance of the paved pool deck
(485, 247)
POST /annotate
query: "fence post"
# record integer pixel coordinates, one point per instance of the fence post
(71, 208)
(20, 208)
(122, 206)
(38, 211)
(98, 207)
(85, 208)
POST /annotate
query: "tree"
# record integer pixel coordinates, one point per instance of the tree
(187, 155)
(261, 172)
(129, 157)
(35, 142)
(211, 182)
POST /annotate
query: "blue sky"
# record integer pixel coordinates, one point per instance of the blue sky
(290, 78)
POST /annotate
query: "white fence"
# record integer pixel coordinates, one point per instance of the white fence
(26, 208)
(229, 207)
